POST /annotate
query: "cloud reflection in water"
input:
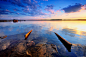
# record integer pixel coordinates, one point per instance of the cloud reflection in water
(43, 33)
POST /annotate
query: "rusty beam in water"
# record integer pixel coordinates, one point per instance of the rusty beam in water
(65, 42)
(27, 35)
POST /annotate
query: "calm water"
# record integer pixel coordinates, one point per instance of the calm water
(43, 33)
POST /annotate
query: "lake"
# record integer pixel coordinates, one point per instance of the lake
(43, 33)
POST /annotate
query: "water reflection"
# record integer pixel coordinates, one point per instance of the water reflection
(79, 50)
(43, 36)
(73, 32)
(70, 32)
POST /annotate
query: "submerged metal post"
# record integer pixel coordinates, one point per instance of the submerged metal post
(27, 35)
(65, 42)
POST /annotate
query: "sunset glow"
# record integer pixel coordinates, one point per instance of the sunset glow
(42, 9)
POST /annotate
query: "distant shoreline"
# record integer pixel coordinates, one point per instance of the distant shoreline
(46, 20)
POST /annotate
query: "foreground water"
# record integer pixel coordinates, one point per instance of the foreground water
(43, 35)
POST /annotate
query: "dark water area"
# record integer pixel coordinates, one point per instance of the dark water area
(41, 39)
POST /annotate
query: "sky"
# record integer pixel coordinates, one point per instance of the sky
(42, 9)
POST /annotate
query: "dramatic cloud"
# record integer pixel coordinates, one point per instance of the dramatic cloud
(17, 2)
(42, 9)
(45, 0)
(41, 13)
(73, 8)
(30, 4)
(4, 0)
(5, 11)
(83, 7)
(33, 12)
(17, 13)
(16, 9)
(39, 6)
(51, 11)
(35, 1)
(22, 14)
(36, 12)
(22, 3)
(50, 8)
(26, 9)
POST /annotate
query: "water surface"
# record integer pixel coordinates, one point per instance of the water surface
(43, 33)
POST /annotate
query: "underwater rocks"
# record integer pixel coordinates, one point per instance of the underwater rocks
(29, 49)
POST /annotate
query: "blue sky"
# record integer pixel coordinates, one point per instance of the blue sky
(42, 9)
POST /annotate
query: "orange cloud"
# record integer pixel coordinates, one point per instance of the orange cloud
(52, 11)
(83, 8)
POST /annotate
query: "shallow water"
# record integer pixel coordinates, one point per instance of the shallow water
(43, 33)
